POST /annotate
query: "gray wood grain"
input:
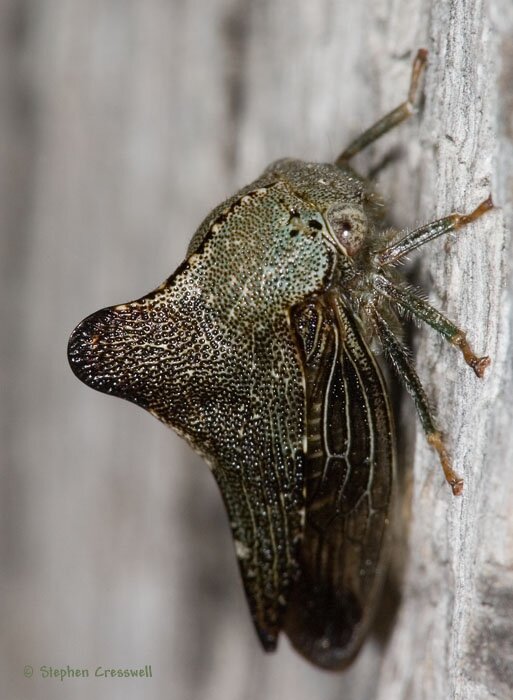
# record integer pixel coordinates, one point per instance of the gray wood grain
(121, 125)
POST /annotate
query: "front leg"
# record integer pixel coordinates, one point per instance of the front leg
(390, 120)
(420, 236)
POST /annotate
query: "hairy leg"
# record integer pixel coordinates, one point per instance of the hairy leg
(401, 361)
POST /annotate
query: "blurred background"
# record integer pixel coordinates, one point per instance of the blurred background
(122, 123)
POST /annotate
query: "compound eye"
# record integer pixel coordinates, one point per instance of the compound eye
(349, 226)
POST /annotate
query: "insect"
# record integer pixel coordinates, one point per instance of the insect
(258, 351)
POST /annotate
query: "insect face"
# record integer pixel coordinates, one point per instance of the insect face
(349, 227)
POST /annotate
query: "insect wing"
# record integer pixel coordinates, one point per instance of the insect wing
(349, 469)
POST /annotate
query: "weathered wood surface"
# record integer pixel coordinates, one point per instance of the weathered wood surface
(121, 125)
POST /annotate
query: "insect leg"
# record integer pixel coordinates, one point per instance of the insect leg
(402, 363)
(409, 301)
(428, 232)
(390, 120)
